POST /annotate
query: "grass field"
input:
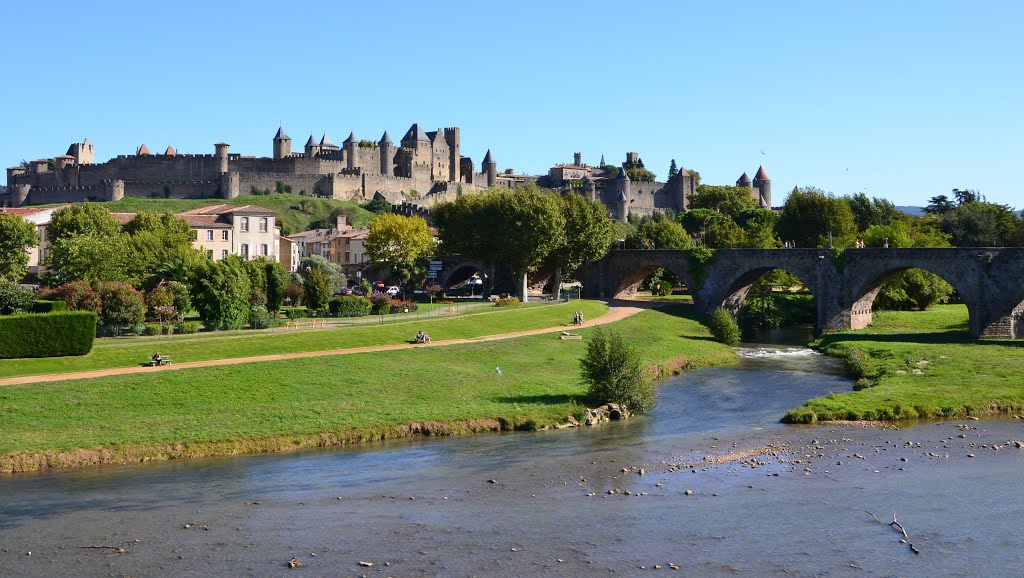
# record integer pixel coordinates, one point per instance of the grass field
(920, 365)
(682, 298)
(277, 406)
(294, 212)
(109, 353)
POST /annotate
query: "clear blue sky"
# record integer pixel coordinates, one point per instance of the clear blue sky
(904, 100)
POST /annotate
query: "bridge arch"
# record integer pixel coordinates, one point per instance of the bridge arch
(636, 265)
(457, 270)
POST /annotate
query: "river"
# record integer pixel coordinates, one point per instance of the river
(792, 501)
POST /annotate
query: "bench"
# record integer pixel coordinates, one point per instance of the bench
(164, 360)
(567, 335)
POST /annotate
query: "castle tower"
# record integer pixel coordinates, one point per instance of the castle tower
(451, 136)
(577, 159)
(19, 194)
(352, 150)
(312, 149)
(743, 181)
(684, 188)
(602, 160)
(83, 152)
(326, 144)
(589, 188)
(625, 187)
(282, 145)
(387, 155)
(763, 186)
(491, 168)
(222, 156)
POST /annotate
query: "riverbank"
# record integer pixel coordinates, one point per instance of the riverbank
(327, 401)
(917, 365)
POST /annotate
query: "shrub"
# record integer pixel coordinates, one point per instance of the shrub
(260, 318)
(79, 296)
(221, 295)
(613, 374)
(47, 306)
(662, 289)
(14, 298)
(381, 302)
(187, 327)
(49, 335)
(318, 290)
(296, 312)
(723, 327)
(400, 306)
(121, 305)
(507, 302)
(151, 329)
(350, 306)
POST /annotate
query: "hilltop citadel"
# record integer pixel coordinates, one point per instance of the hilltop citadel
(424, 168)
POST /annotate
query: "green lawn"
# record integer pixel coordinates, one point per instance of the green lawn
(294, 212)
(274, 406)
(108, 353)
(682, 298)
(920, 365)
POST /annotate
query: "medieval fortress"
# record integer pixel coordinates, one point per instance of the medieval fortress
(425, 167)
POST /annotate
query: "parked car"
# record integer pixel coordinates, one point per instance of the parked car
(392, 290)
(346, 291)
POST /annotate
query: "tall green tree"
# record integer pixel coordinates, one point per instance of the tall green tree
(729, 201)
(588, 234)
(158, 241)
(337, 276)
(873, 211)
(82, 219)
(91, 257)
(811, 214)
(613, 373)
(317, 286)
(673, 170)
(517, 229)
(397, 242)
(277, 285)
(659, 234)
(980, 224)
(221, 295)
(16, 235)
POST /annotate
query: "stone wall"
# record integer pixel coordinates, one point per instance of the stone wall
(172, 189)
(268, 181)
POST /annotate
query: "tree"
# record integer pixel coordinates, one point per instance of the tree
(277, 285)
(659, 234)
(724, 233)
(640, 174)
(13, 297)
(121, 305)
(158, 240)
(317, 287)
(723, 327)
(517, 229)
(82, 219)
(980, 224)
(673, 170)
(78, 295)
(887, 235)
(397, 242)
(221, 295)
(729, 201)
(378, 205)
(334, 272)
(913, 289)
(939, 205)
(160, 305)
(588, 234)
(91, 257)
(810, 215)
(16, 235)
(873, 211)
(613, 373)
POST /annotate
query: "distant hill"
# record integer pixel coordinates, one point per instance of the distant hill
(912, 211)
(295, 213)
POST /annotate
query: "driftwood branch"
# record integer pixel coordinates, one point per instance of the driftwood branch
(899, 527)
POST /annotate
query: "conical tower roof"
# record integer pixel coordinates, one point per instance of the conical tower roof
(623, 176)
(325, 141)
(761, 175)
(142, 150)
(743, 181)
(311, 142)
(170, 151)
(488, 159)
(281, 136)
(683, 172)
(602, 160)
(386, 139)
(622, 198)
(351, 138)
(415, 133)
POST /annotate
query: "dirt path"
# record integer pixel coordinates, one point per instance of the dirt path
(618, 311)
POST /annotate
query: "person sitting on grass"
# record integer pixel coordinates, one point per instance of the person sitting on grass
(156, 359)
(422, 337)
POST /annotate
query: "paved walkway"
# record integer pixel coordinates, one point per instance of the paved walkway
(619, 311)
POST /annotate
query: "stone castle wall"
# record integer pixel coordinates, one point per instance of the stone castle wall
(206, 189)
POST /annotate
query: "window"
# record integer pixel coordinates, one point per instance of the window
(263, 224)
(245, 250)
(245, 224)
(209, 254)
(346, 257)
(263, 249)
(209, 234)
(224, 235)
(224, 254)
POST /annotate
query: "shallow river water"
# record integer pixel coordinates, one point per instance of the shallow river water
(792, 501)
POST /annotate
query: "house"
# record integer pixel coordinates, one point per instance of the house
(248, 231)
(40, 217)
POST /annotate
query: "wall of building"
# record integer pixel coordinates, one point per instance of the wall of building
(172, 189)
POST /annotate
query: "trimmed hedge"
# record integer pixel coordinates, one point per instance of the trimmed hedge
(47, 335)
(349, 306)
(47, 306)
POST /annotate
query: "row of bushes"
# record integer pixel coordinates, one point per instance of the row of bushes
(186, 328)
(50, 335)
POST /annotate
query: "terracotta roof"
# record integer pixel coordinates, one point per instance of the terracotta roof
(761, 175)
(683, 172)
(142, 150)
(170, 151)
(20, 211)
(207, 210)
(248, 210)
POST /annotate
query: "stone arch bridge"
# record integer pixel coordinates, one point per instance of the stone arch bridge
(989, 280)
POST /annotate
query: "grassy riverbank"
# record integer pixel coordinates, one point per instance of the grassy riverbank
(111, 353)
(923, 364)
(286, 405)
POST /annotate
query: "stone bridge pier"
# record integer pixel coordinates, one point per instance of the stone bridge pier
(990, 281)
